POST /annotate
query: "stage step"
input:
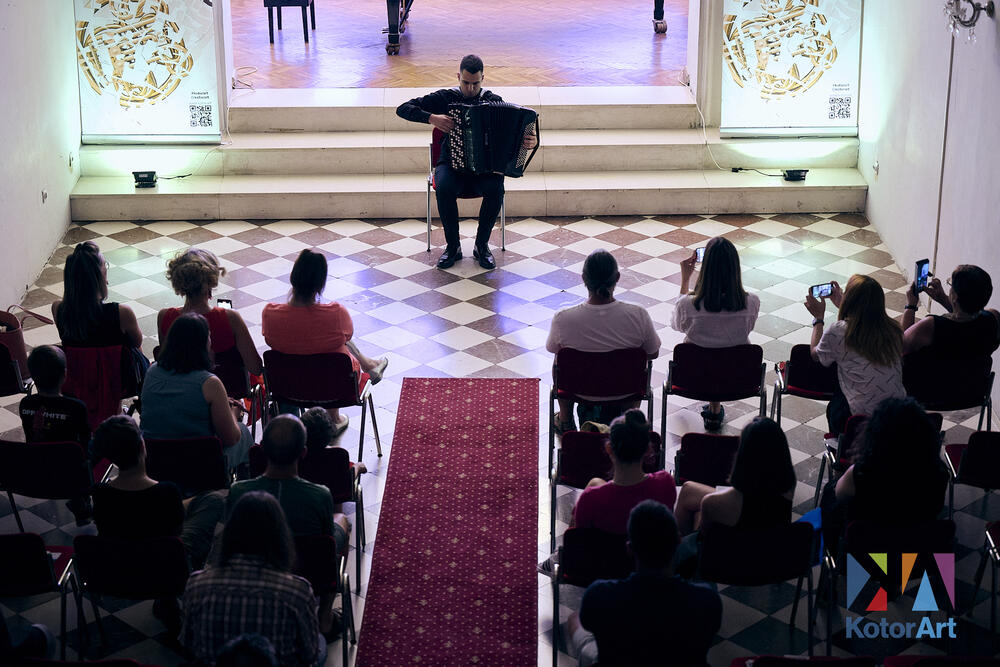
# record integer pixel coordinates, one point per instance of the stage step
(550, 193)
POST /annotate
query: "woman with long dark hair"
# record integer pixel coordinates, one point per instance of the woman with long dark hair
(719, 312)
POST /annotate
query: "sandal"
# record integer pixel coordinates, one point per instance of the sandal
(340, 427)
(560, 426)
(375, 374)
(336, 629)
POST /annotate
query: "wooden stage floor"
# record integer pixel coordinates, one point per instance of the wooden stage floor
(523, 42)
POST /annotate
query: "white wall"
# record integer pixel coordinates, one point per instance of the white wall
(40, 129)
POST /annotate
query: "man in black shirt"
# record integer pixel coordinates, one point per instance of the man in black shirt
(448, 183)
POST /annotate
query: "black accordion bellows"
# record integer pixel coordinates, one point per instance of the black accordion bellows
(488, 138)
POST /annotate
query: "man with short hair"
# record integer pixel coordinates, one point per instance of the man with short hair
(448, 183)
(653, 617)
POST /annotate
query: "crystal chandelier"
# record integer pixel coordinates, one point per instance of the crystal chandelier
(964, 14)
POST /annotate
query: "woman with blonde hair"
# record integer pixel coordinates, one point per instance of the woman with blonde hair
(193, 274)
(864, 342)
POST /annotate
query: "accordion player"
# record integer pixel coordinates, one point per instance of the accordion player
(489, 137)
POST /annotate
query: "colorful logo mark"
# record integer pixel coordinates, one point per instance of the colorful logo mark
(858, 577)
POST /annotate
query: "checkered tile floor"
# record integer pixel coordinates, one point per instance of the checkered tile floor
(470, 322)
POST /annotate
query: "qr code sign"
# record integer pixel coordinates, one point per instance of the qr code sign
(840, 108)
(201, 115)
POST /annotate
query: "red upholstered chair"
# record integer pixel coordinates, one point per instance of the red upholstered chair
(781, 661)
(193, 464)
(323, 380)
(132, 569)
(437, 136)
(706, 458)
(991, 553)
(118, 662)
(29, 567)
(976, 464)
(94, 375)
(836, 459)
(50, 470)
(715, 375)
(317, 561)
(230, 369)
(271, 4)
(948, 384)
(11, 381)
(802, 376)
(939, 661)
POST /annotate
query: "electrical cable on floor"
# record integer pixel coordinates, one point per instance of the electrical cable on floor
(704, 134)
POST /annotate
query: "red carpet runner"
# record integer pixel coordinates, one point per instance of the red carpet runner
(453, 579)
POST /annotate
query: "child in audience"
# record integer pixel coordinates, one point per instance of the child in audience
(864, 342)
(48, 416)
(719, 312)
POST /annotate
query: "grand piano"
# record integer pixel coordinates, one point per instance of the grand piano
(399, 11)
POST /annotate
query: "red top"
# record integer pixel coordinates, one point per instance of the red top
(608, 506)
(314, 329)
(219, 327)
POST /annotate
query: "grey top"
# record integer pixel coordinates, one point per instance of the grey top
(173, 405)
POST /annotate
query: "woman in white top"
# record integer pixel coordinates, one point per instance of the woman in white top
(865, 343)
(719, 312)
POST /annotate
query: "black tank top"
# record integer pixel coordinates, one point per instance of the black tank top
(107, 331)
(761, 512)
(972, 338)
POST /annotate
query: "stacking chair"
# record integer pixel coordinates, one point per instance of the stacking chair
(230, 369)
(715, 375)
(115, 662)
(29, 567)
(193, 464)
(991, 553)
(976, 464)
(146, 569)
(94, 375)
(939, 661)
(706, 458)
(323, 380)
(837, 458)
(271, 4)
(317, 561)
(766, 557)
(586, 555)
(797, 661)
(615, 373)
(943, 385)
(437, 136)
(50, 470)
(11, 381)
(802, 376)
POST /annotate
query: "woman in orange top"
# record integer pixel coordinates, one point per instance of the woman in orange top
(304, 325)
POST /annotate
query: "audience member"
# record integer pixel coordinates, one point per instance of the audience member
(652, 617)
(307, 506)
(249, 588)
(606, 505)
(249, 650)
(763, 483)
(193, 275)
(306, 325)
(600, 324)
(83, 319)
(864, 342)
(38, 642)
(967, 329)
(719, 312)
(47, 415)
(182, 399)
(320, 434)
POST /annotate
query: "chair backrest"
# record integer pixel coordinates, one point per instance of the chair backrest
(981, 460)
(11, 381)
(230, 369)
(193, 464)
(116, 662)
(437, 144)
(306, 380)
(614, 373)
(317, 561)
(765, 556)
(51, 470)
(330, 467)
(706, 458)
(849, 442)
(804, 376)
(937, 536)
(258, 460)
(588, 554)
(133, 569)
(582, 457)
(717, 374)
(25, 566)
(93, 374)
(939, 661)
(947, 384)
(797, 661)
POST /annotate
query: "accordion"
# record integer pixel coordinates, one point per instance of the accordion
(488, 138)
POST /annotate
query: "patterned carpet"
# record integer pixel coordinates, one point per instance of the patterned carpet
(466, 322)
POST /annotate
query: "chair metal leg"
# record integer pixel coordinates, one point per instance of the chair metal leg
(993, 596)
(776, 405)
(361, 438)
(312, 12)
(428, 214)
(357, 567)
(270, 23)
(378, 442)
(62, 621)
(17, 515)
(359, 504)
(819, 481)
(663, 422)
(305, 25)
(552, 511)
(809, 608)
(555, 616)
(100, 624)
(503, 224)
(951, 499)
(279, 17)
(795, 604)
(348, 605)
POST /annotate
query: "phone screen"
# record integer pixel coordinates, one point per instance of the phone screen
(699, 254)
(224, 303)
(922, 273)
(820, 291)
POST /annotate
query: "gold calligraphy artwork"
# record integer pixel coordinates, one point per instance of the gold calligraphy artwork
(783, 51)
(132, 48)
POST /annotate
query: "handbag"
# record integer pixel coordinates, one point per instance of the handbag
(12, 336)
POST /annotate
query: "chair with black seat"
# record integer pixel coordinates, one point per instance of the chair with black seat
(796, 661)
(766, 557)
(586, 555)
(319, 380)
(317, 561)
(437, 137)
(976, 463)
(29, 567)
(147, 569)
(49, 470)
(804, 377)
(706, 458)
(195, 465)
(230, 369)
(303, 4)
(715, 375)
(943, 385)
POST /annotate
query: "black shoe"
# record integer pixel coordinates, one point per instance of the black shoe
(713, 420)
(449, 257)
(485, 257)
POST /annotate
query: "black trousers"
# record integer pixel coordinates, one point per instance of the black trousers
(449, 184)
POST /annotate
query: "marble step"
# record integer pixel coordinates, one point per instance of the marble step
(374, 109)
(370, 152)
(405, 195)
